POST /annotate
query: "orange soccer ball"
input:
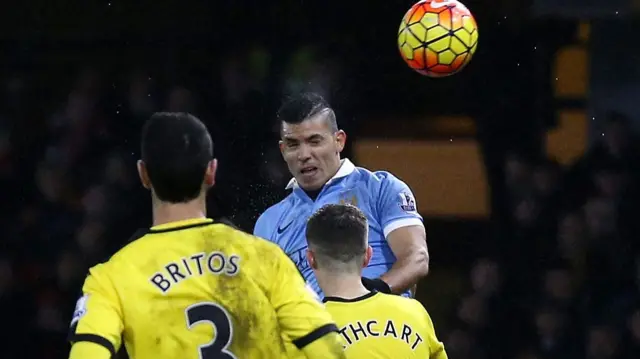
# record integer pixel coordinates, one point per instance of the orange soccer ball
(437, 38)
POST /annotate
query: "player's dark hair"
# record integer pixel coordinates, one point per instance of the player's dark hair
(176, 150)
(337, 234)
(298, 108)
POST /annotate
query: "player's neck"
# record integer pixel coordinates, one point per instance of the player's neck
(342, 286)
(164, 212)
(336, 168)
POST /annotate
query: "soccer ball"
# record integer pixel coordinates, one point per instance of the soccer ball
(437, 38)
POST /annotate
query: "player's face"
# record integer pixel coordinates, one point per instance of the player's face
(312, 151)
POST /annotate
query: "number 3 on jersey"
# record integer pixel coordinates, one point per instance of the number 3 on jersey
(218, 317)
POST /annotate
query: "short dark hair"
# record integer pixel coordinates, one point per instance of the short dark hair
(337, 234)
(176, 149)
(303, 106)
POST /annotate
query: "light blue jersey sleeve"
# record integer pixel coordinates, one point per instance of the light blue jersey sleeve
(396, 204)
(265, 224)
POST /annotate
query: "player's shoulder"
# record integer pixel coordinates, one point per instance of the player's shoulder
(265, 225)
(377, 180)
(405, 307)
(394, 299)
(263, 255)
(251, 244)
(126, 251)
(144, 244)
(399, 301)
(247, 240)
(379, 176)
(130, 248)
(277, 209)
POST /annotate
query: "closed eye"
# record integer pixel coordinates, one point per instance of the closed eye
(315, 139)
(291, 144)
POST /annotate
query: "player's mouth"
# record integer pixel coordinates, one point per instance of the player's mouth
(309, 171)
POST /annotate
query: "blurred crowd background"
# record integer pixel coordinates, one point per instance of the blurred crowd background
(550, 270)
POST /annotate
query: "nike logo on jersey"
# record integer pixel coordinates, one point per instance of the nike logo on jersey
(282, 229)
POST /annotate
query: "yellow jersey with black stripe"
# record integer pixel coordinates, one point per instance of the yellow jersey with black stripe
(384, 326)
(198, 290)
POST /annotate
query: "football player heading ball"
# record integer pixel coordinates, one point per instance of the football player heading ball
(311, 142)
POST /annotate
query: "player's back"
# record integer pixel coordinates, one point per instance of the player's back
(382, 326)
(195, 289)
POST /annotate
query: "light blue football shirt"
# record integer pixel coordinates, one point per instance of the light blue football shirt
(386, 201)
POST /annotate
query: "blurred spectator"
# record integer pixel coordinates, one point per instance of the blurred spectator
(546, 177)
(559, 286)
(633, 328)
(486, 278)
(603, 343)
(555, 337)
(517, 176)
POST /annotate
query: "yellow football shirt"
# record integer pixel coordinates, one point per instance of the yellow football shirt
(383, 326)
(198, 290)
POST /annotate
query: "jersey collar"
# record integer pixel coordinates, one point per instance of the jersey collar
(346, 168)
(177, 225)
(349, 300)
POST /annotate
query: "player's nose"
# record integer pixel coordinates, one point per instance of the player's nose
(304, 154)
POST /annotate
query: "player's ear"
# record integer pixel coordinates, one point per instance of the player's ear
(367, 256)
(341, 140)
(210, 174)
(144, 176)
(311, 259)
(281, 146)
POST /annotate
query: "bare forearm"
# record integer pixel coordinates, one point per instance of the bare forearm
(406, 272)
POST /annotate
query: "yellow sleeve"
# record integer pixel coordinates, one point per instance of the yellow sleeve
(302, 318)
(326, 347)
(436, 347)
(83, 350)
(98, 316)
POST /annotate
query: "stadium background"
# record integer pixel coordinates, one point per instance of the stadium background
(524, 165)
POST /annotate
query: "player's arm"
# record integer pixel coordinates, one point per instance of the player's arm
(301, 316)
(409, 245)
(96, 327)
(327, 346)
(405, 234)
